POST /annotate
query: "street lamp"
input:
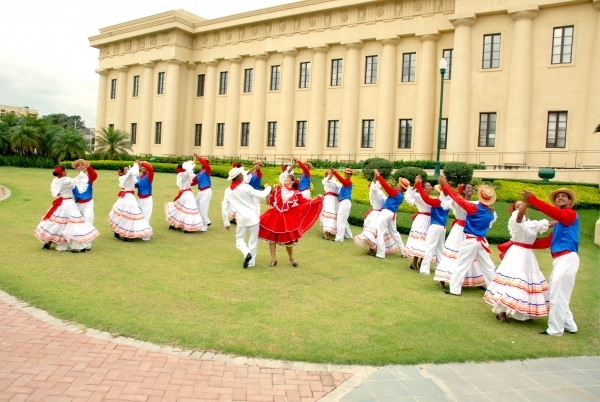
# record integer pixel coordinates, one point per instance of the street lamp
(443, 66)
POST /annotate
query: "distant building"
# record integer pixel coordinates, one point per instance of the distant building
(17, 110)
(90, 136)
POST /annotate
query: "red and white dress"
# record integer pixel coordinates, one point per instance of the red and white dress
(331, 204)
(183, 212)
(63, 224)
(415, 245)
(289, 217)
(368, 237)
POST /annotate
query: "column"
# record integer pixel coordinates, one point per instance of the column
(518, 101)
(425, 129)
(386, 106)
(591, 141)
(349, 135)
(170, 126)
(259, 99)
(187, 142)
(102, 99)
(460, 95)
(285, 126)
(232, 131)
(208, 115)
(316, 116)
(145, 127)
(121, 99)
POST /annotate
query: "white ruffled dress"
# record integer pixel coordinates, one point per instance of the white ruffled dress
(331, 205)
(183, 212)
(415, 245)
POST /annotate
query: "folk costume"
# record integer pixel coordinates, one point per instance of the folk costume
(63, 224)
(144, 186)
(519, 289)
(242, 197)
(83, 192)
(331, 205)
(204, 196)
(345, 199)
(126, 218)
(436, 233)
(565, 260)
(304, 185)
(368, 237)
(386, 221)
(182, 213)
(415, 245)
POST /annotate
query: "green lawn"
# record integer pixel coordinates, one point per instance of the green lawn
(338, 306)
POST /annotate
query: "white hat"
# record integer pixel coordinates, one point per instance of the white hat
(235, 172)
(188, 166)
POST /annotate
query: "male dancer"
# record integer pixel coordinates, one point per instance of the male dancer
(204, 188)
(83, 191)
(304, 186)
(387, 217)
(345, 198)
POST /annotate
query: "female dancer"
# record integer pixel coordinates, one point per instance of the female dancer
(288, 218)
(183, 212)
(63, 224)
(331, 204)
(415, 245)
(126, 217)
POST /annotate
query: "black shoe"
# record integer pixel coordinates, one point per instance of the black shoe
(171, 227)
(126, 239)
(544, 333)
(482, 287)
(247, 260)
(77, 251)
(185, 231)
(450, 293)
(571, 332)
(46, 246)
(209, 224)
(117, 236)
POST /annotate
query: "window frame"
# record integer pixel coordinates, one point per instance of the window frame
(220, 140)
(412, 67)
(491, 52)
(448, 74)
(301, 133)
(405, 138)
(133, 134)
(336, 77)
(333, 136)
(487, 130)
(368, 141)
(304, 76)
(371, 69)
(200, 85)
(136, 86)
(271, 134)
(160, 88)
(562, 46)
(245, 134)
(275, 81)
(198, 135)
(113, 88)
(556, 129)
(444, 136)
(223, 82)
(248, 80)
(157, 132)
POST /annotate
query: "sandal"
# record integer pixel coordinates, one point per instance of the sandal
(371, 252)
(502, 317)
(273, 263)
(294, 263)
(413, 267)
(46, 246)
(442, 284)
(326, 238)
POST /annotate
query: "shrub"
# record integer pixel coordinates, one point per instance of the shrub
(458, 173)
(410, 173)
(385, 168)
(44, 162)
(425, 164)
(508, 191)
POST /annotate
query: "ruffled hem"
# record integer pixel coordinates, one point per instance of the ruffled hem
(187, 221)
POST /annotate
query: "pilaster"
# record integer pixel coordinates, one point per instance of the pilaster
(186, 140)
(121, 98)
(208, 119)
(232, 137)
(257, 139)
(316, 119)
(427, 73)
(171, 119)
(349, 137)
(386, 107)
(285, 129)
(102, 99)
(145, 128)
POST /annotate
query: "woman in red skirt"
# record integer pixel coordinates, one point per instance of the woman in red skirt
(288, 218)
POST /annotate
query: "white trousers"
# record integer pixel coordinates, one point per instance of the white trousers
(146, 205)
(434, 246)
(561, 285)
(471, 249)
(306, 193)
(387, 223)
(252, 245)
(87, 210)
(343, 228)
(203, 202)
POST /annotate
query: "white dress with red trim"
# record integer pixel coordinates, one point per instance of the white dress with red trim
(368, 237)
(519, 288)
(63, 224)
(445, 269)
(289, 217)
(331, 204)
(415, 245)
(182, 213)
(126, 217)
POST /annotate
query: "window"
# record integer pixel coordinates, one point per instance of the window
(109, 126)
(448, 56)
(301, 134)
(444, 135)
(368, 133)
(562, 45)
(333, 132)
(371, 70)
(200, 90)
(275, 78)
(487, 129)
(113, 89)
(556, 137)
(336, 72)
(409, 64)
(491, 51)
(136, 86)
(220, 134)
(133, 133)
(158, 132)
(272, 134)
(2, 112)
(223, 83)
(198, 135)
(405, 134)
(245, 133)
(248, 80)
(304, 75)
(161, 84)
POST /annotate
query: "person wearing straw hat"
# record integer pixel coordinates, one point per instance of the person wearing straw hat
(304, 186)
(415, 245)
(345, 198)
(83, 191)
(475, 246)
(144, 186)
(204, 196)
(242, 197)
(564, 246)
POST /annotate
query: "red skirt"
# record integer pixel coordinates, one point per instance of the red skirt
(286, 228)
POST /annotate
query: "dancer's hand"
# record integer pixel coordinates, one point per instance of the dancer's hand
(442, 180)
(551, 224)
(227, 228)
(376, 171)
(418, 179)
(525, 194)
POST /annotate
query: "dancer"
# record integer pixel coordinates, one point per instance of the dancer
(475, 246)
(565, 264)
(444, 270)
(126, 217)
(386, 221)
(331, 205)
(286, 170)
(243, 198)
(519, 289)
(144, 186)
(252, 177)
(415, 245)
(83, 191)
(63, 224)
(304, 186)
(345, 198)
(203, 181)
(288, 218)
(183, 212)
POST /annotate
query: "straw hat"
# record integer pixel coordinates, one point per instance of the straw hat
(405, 183)
(438, 188)
(78, 161)
(235, 172)
(570, 193)
(486, 195)
(348, 171)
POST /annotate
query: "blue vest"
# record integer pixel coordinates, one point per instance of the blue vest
(439, 216)
(144, 186)
(345, 193)
(203, 179)
(255, 181)
(86, 195)
(304, 183)
(393, 203)
(565, 237)
(478, 224)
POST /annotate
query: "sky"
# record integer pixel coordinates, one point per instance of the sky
(46, 62)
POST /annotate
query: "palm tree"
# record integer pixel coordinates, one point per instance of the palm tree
(48, 136)
(24, 139)
(69, 143)
(7, 121)
(111, 143)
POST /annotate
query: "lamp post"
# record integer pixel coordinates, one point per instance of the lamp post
(443, 66)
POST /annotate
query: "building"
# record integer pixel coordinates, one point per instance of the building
(351, 79)
(17, 110)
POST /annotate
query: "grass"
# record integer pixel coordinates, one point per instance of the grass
(338, 306)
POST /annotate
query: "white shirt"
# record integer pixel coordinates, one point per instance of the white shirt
(526, 231)
(242, 201)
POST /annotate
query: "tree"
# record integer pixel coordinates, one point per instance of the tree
(111, 143)
(47, 137)
(24, 139)
(69, 143)
(65, 121)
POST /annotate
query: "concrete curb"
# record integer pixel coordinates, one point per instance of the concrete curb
(4, 193)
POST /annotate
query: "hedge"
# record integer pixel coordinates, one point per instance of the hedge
(383, 165)
(458, 173)
(509, 191)
(426, 164)
(34, 161)
(541, 182)
(410, 173)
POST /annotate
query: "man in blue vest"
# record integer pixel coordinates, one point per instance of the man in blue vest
(386, 221)
(144, 186)
(204, 188)
(345, 197)
(83, 191)
(565, 260)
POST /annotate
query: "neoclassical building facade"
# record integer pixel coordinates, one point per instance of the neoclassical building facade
(351, 79)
